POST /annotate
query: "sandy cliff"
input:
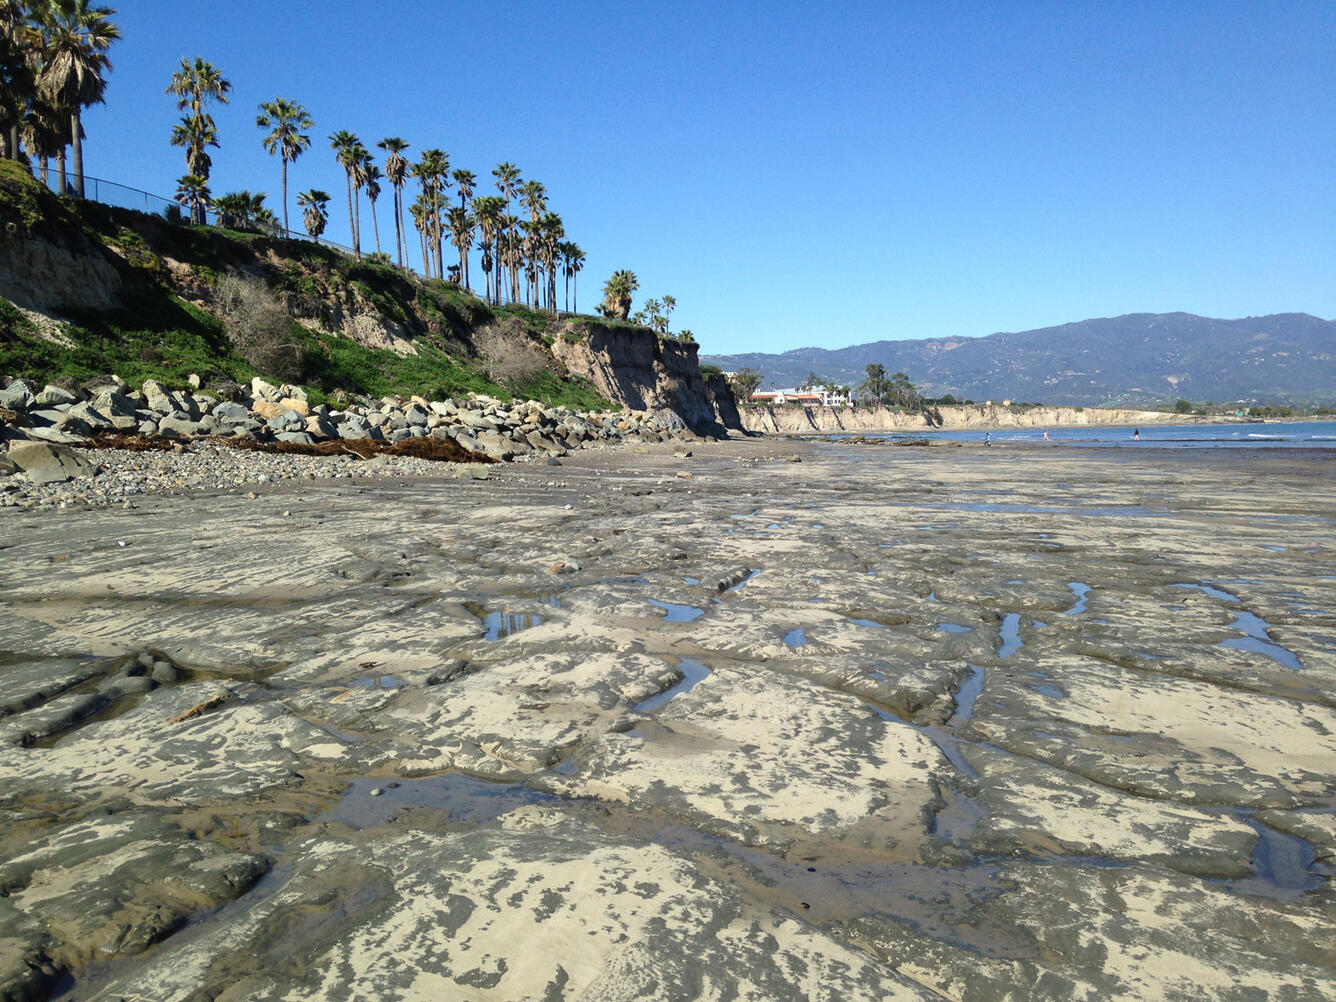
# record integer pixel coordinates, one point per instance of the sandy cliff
(822, 420)
(633, 367)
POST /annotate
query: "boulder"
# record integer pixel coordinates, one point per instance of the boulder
(17, 396)
(112, 402)
(91, 416)
(286, 420)
(300, 437)
(49, 464)
(157, 398)
(416, 416)
(262, 390)
(320, 426)
(179, 424)
(54, 396)
(297, 404)
(230, 413)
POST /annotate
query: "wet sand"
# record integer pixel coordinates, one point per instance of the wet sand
(779, 720)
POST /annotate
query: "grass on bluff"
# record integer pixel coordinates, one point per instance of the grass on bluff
(158, 335)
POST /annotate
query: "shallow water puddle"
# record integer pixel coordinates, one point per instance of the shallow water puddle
(464, 799)
(693, 673)
(674, 613)
(1081, 591)
(1281, 864)
(1214, 592)
(968, 693)
(953, 628)
(1258, 640)
(796, 638)
(1010, 635)
(499, 625)
(378, 682)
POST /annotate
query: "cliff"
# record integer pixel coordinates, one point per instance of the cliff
(833, 420)
(87, 290)
(646, 373)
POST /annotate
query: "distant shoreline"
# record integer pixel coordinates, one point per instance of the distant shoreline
(836, 420)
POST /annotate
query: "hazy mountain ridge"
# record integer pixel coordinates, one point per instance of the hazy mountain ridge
(1137, 358)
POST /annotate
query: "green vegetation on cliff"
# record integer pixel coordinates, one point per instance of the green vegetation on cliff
(229, 305)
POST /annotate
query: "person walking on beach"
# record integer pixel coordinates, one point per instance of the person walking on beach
(1045, 436)
(988, 438)
(1136, 434)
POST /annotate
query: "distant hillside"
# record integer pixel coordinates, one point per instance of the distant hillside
(1140, 358)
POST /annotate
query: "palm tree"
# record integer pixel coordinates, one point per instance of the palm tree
(418, 210)
(617, 293)
(286, 119)
(18, 85)
(507, 183)
(196, 134)
(74, 62)
(573, 260)
(242, 210)
(396, 169)
(44, 131)
(487, 213)
(346, 146)
(192, 191)
(316, 203)
(193, 84)
(461, 235)
(433, 172)
(464, 181)
(550, 231)
(533, 197)
(371, 177)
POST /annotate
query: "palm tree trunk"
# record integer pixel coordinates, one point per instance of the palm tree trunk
(426, 257)
(78, 153)
(44, 167)
(375, 226)
(349, 179)
(576, 301)
(357, 225)
(285, 197)
(62, 183)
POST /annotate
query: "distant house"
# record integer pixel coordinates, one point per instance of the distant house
(803, 398)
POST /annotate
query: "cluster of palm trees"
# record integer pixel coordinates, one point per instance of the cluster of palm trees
(53, 62)
(521, 256)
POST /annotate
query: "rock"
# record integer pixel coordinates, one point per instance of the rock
(179, 425)
(299, 437)
(49, 464)
(194, 381)
(53, 396)
(319, 426)
(297, 404)
(416, 415)
(165, 673)
(682, 453)
(17, 396)
(112, 402)
(7, 466)
(231, 413)
(262, 390)
(295, 393)
(157, 398)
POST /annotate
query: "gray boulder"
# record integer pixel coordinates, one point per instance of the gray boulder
(112, 402)
(178, 424)
(230, 413)
(265, 391)
(46, 463)
(295, 436)
(17, 396)
(157, 398)
(53, 396)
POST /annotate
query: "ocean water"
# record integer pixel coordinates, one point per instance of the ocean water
(1298, 434)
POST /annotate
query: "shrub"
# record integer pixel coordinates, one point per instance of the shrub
(259, 328)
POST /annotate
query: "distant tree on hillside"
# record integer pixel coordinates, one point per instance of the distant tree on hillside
(315, 202)
(192, 191)
(744, 383)
(617, 293)
(396, 170)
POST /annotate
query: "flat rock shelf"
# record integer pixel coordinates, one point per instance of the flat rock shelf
(913, 724)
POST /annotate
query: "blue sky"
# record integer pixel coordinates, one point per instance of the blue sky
(801, 174)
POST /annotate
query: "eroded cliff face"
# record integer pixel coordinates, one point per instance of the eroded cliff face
(52, 274)
(640, 370)
(833, 420)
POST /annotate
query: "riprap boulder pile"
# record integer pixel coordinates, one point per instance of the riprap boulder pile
(264, 412)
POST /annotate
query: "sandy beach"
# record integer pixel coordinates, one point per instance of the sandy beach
(774, 720)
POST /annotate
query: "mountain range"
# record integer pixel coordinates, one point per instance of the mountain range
(1138, 358)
